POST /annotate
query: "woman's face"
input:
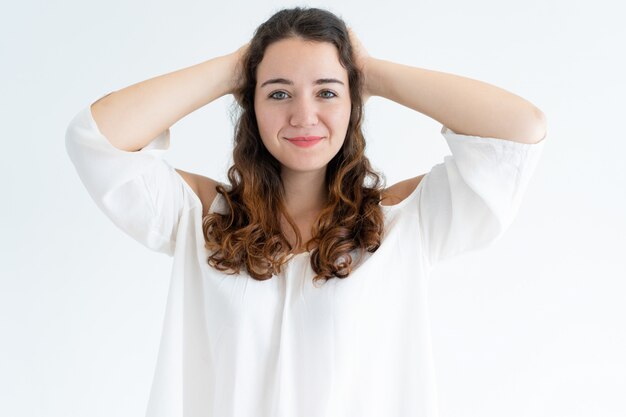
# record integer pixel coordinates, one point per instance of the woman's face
(302, 92)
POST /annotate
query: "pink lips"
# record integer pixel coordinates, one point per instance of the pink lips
(305, 141)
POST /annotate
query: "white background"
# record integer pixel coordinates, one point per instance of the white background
(533, 326)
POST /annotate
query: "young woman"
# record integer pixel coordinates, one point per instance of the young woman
(247, 333)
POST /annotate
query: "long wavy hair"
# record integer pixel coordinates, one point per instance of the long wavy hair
(249, 235)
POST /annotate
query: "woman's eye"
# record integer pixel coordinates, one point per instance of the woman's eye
(277, 95)
(273, 95)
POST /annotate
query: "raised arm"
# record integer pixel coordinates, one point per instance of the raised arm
(131, 117)
(464, 105)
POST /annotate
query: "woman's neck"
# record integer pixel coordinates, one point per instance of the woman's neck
(305, 192)
(305, 197)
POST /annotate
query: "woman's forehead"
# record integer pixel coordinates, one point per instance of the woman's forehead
(296, 53)
(299, 60)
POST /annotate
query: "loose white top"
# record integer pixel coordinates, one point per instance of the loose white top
(233, 346)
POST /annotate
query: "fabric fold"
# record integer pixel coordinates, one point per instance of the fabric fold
(468, 201)
(139, 191)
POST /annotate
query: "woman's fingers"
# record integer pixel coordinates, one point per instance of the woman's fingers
(360, 57)
(237, 76)
(360, 53)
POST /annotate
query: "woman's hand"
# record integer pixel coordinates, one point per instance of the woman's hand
(237, 74)
(361, 59)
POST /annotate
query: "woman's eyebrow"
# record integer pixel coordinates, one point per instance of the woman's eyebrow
(289, 82)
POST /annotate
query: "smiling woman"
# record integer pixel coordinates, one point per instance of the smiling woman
(306, 107)
(301, 97)
(247, 332)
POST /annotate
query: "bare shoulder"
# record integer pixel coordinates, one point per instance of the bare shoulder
(204, 188)
(396, 193)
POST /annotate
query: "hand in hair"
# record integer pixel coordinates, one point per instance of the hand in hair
(361, 56)
(237, 75)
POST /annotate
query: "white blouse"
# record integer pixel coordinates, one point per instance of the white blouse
(233, 346)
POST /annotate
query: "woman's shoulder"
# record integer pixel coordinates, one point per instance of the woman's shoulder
(203, 187)
(398, 192)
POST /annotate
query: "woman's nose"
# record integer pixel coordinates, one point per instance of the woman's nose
(304, 112)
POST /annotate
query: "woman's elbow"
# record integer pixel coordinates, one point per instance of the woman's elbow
(540, 126)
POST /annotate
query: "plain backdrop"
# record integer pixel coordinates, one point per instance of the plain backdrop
(532, 326)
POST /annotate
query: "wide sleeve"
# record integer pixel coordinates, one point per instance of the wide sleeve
(139, 191)
(468, 201)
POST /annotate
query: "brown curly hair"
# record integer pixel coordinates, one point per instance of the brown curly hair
(250, 234)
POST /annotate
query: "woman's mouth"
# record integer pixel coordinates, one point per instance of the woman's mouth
(305, 141)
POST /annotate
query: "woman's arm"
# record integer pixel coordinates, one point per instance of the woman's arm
(464, 105)
(131, 117)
